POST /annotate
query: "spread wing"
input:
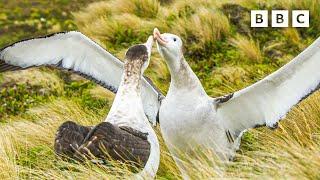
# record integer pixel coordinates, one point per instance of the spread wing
(76, 52)
(267, 101)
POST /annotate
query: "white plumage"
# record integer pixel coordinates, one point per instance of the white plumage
(189, 117)
(127, 110)
(134, 99)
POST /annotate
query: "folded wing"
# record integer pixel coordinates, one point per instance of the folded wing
(76, 52)
(267, 101)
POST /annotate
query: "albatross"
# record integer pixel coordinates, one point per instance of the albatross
(126, 133)
(189, 117)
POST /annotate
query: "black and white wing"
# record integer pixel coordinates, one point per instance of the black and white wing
(76, 52)
(268, 101)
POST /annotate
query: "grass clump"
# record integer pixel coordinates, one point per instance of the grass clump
(249, 49)
(202, 30)
(143, 8)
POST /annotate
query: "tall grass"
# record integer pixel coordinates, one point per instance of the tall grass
(249, 48)
(206, 26)
(291, 151)
(27, 147)
(135, 19)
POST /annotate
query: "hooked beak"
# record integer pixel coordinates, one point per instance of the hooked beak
(157, 36)
(149, 44)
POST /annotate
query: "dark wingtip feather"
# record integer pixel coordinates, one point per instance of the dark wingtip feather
(7, 67)
(123, 144)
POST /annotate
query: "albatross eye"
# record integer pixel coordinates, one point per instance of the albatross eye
(174, 39)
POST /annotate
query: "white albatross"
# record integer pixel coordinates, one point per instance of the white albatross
(126, 134)
(189, 117)
(76, 52)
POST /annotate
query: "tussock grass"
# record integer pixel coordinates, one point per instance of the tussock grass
(101, 93)
(290, 151)
(35, 77)
(205, 26)
(133, 20)
(141, 8)
(248, 47)
(28, 152)
(292, 34)
(233, 75)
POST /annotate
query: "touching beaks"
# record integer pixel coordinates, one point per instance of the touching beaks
(158, 37)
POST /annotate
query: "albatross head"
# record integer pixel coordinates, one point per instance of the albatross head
(138, 56)
(170, 47)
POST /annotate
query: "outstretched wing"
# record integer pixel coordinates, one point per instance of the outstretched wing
(267, 101)
(76, 52)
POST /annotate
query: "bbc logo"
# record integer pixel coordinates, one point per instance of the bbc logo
(280, 18)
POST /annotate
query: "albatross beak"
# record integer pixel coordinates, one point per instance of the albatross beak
(149, 44)
(157, 36)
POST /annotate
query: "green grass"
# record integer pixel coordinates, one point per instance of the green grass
(225, 53)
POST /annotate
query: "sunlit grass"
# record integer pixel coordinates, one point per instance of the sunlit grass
(47, 79)
(248, 47)
(291, 151)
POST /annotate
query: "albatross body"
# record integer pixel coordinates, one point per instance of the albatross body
(190, 118)
(126, 134)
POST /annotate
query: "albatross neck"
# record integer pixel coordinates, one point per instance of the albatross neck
(131, 80)
(183, 78)
(128, 98)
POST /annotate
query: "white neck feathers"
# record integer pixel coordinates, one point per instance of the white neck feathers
(182, 77)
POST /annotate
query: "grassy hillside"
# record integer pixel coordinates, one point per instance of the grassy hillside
(221, 48)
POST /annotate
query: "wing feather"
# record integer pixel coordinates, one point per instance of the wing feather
(268, 101)
(75, 52)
